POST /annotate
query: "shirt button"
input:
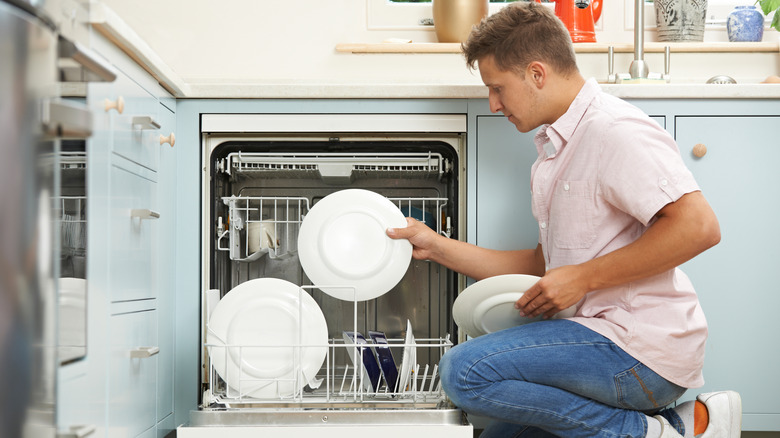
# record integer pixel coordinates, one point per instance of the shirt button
(664, 182)
(543, 225)
(565, 187)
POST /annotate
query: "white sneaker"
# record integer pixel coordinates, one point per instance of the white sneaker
(725, 411)
(667, 430)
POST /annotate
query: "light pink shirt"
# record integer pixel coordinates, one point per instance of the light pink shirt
(604, 170)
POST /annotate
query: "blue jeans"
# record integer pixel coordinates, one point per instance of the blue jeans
(554, 378)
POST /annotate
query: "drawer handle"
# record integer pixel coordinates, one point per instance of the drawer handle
(144, 213)
(171, 139)
(144, 352)
(78, 432)
(118, 104)
(145, 122)
(699, 150)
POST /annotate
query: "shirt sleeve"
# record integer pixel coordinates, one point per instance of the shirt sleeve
(640, 168)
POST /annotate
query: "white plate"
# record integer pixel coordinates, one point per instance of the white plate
(488, 305)
(343, 242)
(408, 359)
(269, 318)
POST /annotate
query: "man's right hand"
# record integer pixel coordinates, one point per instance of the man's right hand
(422, 238)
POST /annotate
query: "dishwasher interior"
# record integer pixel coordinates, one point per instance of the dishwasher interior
(258, 190)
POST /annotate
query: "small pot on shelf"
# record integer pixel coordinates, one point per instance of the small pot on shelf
(745, 24)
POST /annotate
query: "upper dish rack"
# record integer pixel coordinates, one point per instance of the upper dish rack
(267, 225)
(73, 223)
(334, 167)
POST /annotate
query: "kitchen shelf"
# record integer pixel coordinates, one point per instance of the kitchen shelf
(650, 47)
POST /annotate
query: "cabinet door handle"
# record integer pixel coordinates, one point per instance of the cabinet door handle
(171, 139)
(77, 432)
(699, 150)
(145, 122)
(144, 352)
(118, 104)
(144, 213)
(88, 66)
(66, 119)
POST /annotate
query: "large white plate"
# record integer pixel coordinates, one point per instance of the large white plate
(283, 334)
(488, 305)
(343, 242)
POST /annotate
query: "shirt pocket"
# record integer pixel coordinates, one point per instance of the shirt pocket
(573, 214)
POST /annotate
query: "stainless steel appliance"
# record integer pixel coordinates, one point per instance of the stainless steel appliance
(28, 49)
(35, 120)
(272, 169)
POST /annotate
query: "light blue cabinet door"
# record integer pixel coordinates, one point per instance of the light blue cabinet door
(503, 185)
(135, 130)
(133, 373)
(133, 232)
(737, 280)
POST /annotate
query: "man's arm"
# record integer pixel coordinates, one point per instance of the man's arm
(470, 260)
(682, 230)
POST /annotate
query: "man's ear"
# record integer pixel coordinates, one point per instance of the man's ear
(537, 73)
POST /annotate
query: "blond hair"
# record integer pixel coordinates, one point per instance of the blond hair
(519, 34)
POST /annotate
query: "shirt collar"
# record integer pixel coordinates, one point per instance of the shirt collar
(551, 138)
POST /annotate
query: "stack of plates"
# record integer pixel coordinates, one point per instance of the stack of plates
(488, 305)
(344, 249)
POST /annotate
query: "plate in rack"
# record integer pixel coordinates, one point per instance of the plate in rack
(267, 338)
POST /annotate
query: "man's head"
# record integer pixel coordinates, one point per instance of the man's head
(519, 34)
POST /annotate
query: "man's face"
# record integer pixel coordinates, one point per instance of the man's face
(515, 97)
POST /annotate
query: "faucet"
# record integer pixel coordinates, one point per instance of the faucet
(638, 68)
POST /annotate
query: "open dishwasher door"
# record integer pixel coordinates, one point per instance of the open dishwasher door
(370, 365)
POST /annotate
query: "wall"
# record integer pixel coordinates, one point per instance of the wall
(293, 42)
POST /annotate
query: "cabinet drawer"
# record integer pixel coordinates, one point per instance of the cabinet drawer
(132, 233)
(133, 373)
(136, 130)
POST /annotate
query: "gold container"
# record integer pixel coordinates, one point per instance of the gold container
(453, 19)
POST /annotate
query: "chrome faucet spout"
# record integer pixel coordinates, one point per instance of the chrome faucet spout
(639, 68)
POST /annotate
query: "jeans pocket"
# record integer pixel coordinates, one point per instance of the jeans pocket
(640, 389)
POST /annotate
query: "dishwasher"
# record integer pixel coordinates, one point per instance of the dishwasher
(262, 175)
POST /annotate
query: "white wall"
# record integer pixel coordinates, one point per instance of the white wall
(293, 42)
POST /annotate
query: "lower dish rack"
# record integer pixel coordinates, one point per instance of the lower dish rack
(338, 385)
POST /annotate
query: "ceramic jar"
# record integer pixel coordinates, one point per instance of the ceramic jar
(680, 20)
(745, 23)
(453, 19)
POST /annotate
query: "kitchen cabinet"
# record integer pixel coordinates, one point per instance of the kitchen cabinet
(734, 279)
(503, 159)
(133, 373)
(124, 386)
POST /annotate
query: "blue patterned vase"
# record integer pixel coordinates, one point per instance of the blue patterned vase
(745, 23)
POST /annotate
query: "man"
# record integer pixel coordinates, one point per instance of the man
(617, 212)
